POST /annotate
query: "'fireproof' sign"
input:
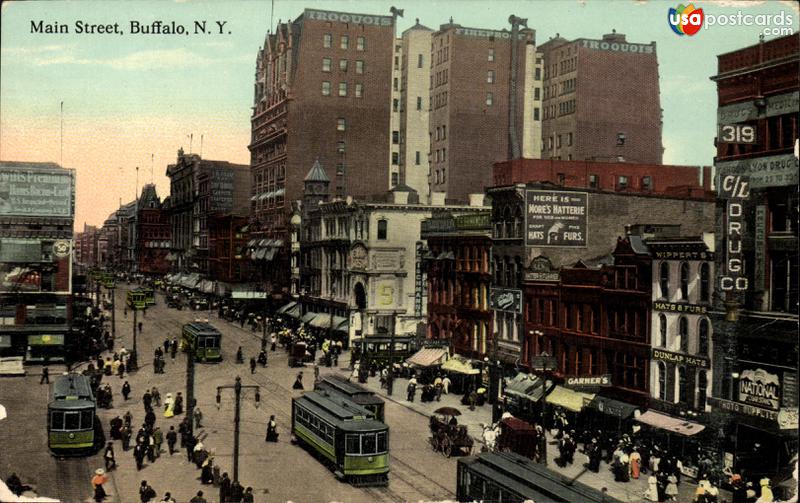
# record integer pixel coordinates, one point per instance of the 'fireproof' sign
(556, 218)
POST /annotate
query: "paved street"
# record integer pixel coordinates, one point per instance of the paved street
(277, 472)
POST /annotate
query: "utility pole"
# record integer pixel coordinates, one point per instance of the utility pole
(113, 313)
(237, 389)
(190, 401)
(390, 377)
(133, 364)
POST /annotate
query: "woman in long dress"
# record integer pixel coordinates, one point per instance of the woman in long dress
(636, 461)
(672, 488)
(169, 406)
(652, 488)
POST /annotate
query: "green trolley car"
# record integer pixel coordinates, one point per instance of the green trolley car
(203, 340)
(71, 416)
(354, 392)
(136, 299)
(149, 296)
(345, 436)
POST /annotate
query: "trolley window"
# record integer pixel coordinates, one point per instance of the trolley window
(57, 420)
(368, 444)
(72, 420)
(211, 342)
(352, 445)
(382, 441)
(87, 419)
(201, 342)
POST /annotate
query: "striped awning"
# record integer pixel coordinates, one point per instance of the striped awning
(569, 399)
(306, 318)
(322, 320)
(427, 357)
(525, 386)
(459, 366)
(669, 423)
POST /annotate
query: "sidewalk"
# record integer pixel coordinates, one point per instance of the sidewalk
(632, 491)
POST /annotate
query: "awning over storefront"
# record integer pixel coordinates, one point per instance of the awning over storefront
(669, 423)
(612, 407)
(459, 366)
(322, 320)
(286, 308)
(525, 386)
(340, 324)
(46, 340)
(569, 399)
(427, 357)
(206, 286)
(446, 256)
(190, 281)
(306, 318)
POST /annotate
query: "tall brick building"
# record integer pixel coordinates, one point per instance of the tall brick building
(755, 320)
(601, 100)
(322, 91)
(469, 102)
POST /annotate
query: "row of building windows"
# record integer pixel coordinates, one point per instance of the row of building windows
(439, 100)
(441, 133)
(442, 56)
(703, 276)
(440, 155)
(565, 66)
(439, 176)
(556, 141)
(681, 341)
(344, 42)
(681, 386)
(343, 65)
(326, 89)
(440, 78)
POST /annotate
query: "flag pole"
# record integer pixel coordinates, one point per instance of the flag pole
(62, 134)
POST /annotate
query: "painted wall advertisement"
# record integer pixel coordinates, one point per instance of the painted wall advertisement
(760, 388)
(556, 218)
(37, 192)
(503, 299)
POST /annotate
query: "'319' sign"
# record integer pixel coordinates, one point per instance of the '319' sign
(737, 133)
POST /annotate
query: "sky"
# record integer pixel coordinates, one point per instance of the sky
(132, 100)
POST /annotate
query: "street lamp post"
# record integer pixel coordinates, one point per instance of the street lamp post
(133, 364)
(237, 389)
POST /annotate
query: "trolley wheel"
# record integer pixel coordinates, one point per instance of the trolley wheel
(447, 447)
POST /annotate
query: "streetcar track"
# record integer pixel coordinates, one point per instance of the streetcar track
(400, 471)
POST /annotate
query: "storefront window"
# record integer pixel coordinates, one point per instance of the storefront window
(661, 368)
(702, 338)
(683, 334)
(684, 281)
(663, 281)
(683, 391)
(662, 330)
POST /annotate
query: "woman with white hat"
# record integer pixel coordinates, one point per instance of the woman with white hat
(98, 480)
(169, 406)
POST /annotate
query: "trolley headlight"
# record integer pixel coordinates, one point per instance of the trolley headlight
(71, 435)
(370, 459)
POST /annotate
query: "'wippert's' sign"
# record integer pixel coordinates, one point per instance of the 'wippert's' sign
(673, 307)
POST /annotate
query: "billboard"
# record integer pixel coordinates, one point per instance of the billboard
(556, 218)
(36, 191)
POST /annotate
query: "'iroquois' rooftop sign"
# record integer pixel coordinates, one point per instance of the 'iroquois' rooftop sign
(605, 45)
(344, 17)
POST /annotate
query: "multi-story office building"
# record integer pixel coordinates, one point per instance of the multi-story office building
(395, 128)
(413, 106)
(601, 100)
(476, 103)
(199, 187)
(458, 269)
(682, 292)
(532, 115)
(37, 208)
(323, 90)
(153, 230)
(755, 322)
(357, 258)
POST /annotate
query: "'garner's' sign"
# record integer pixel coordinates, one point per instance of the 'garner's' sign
(556, 218)
(588, 381)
